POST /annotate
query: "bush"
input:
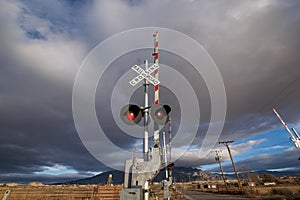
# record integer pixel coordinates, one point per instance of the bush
(269, 178)
(284, 192)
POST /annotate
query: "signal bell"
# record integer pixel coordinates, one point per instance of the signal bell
(131, 114)
(160, 113)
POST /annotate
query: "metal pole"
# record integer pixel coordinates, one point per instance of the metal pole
(294, 130)
(155, 54)
(146, 194)
(156, 88)
(285, 125)
(165, 155)
(170, 138)
(297, 140)
(233, 164)
(146, 118)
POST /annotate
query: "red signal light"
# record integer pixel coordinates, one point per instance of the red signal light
(130, 115)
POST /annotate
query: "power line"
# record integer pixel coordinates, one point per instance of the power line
(284, 92)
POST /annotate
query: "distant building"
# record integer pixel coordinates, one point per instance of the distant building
(35, 184)
(11, 184)
(269, 183)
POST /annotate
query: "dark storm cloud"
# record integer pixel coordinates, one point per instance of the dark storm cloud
(254, 44)
(37, 127)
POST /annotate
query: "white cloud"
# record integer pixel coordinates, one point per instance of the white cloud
(272, 148)
(244, 147)
(196, 158)
(56, 169)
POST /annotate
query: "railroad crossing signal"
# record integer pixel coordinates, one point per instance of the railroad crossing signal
(144, 74)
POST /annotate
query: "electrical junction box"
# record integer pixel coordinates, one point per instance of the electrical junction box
(135, 193)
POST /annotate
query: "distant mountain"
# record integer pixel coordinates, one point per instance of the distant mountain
(279, 173)
(181, 174)
(261, 172)
(184, 174)
(118, 178)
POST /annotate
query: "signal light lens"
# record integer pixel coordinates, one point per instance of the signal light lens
(131, 114)
(160, 113)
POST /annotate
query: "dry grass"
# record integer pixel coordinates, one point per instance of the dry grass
(158, 193)
(63, 192)
(260, 192)
(75, 192)
(278, 192)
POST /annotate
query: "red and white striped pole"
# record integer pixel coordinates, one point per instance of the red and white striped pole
(285, 125)
(170, 138)
(155, 54)
(156, 88)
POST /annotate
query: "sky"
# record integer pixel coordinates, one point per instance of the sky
(44, 45)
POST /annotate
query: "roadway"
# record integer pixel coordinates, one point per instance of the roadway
(194, 195)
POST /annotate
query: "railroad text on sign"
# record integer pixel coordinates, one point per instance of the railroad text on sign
(144, 74)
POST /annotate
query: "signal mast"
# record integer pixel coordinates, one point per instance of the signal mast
(140, 171)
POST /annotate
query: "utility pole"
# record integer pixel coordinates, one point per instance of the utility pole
(218, 158)
(226, 144)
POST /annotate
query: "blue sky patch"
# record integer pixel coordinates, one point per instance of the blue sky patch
(34, 34)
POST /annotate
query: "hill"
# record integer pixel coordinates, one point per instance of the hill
(181, 174)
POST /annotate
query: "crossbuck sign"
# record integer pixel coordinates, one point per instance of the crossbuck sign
(144, 74)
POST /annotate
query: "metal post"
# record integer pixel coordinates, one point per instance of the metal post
(156, 88)
(146, 194)
(285, 125)
(297, 135)
(226, 144)
(146, 118)
(165, 155)
(170, 138)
